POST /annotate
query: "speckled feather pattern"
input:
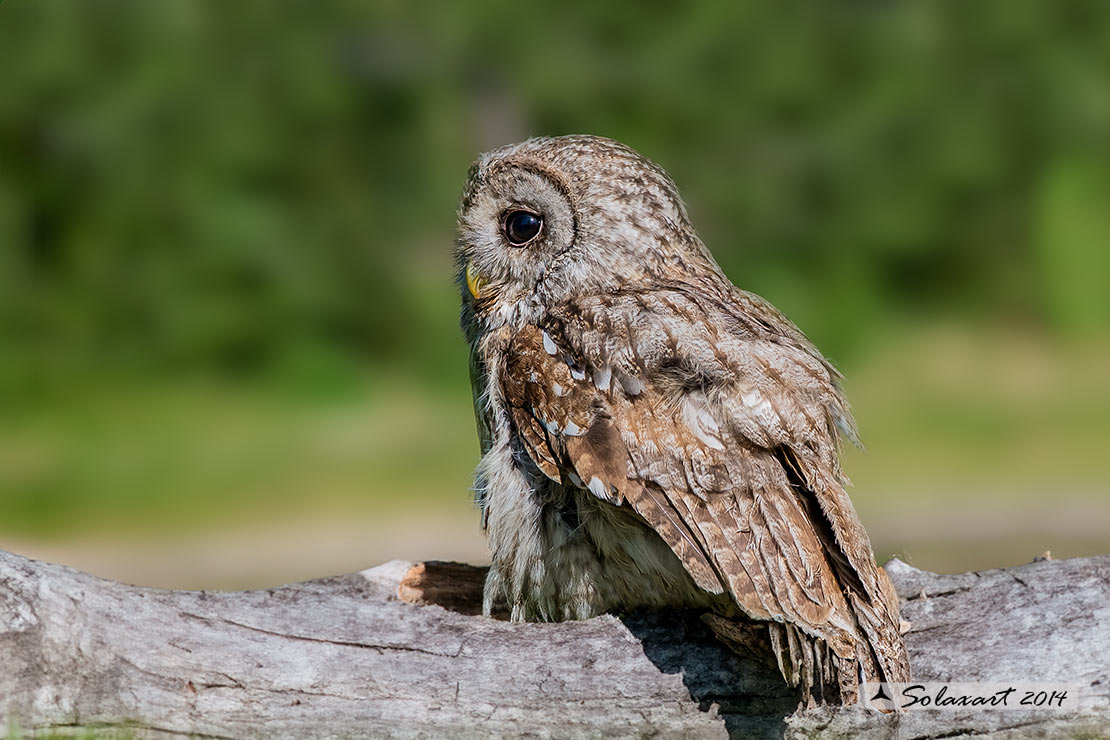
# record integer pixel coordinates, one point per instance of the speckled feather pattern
(651, 434)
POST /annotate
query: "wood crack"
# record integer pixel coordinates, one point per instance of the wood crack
(325, 640)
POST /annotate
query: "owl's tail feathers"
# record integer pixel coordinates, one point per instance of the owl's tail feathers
(809, 663)
(882, 653)
(806, 662)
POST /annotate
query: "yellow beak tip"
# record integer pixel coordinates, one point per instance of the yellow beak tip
(473, 281)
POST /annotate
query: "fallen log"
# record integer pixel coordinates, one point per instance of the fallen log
(397, 651)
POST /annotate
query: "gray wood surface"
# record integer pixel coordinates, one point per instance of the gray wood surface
(345, 657)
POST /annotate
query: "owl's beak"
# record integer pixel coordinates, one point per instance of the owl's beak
(474, 281)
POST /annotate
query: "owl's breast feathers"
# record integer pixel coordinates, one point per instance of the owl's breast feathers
(712, 417)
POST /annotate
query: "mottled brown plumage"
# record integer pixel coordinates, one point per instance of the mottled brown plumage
(651, 434)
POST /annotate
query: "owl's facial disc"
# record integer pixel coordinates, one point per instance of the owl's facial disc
(514, 221)
(519, 228)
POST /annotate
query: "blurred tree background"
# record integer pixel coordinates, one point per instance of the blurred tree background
(228, 341)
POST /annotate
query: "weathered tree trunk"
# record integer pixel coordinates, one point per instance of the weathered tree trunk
(345, 657)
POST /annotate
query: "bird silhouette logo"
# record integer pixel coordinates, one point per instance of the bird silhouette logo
(882, 699)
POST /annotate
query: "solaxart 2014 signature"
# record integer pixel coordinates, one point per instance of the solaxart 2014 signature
(961, 695)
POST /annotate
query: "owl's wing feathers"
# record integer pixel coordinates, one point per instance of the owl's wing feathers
(715, 420)
(571, 436)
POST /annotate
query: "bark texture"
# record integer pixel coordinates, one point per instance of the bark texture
(396, 651)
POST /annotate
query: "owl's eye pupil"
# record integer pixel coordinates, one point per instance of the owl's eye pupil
(521, 227)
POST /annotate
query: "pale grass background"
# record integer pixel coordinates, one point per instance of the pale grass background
(982, 451)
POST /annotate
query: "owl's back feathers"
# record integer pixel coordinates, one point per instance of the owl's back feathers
(716, 421)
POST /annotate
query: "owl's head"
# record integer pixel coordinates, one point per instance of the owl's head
(553, 218)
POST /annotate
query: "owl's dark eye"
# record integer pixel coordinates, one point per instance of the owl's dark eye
(520, 227)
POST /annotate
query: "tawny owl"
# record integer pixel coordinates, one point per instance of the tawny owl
(651, 434)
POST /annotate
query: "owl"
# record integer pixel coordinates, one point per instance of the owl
(653, 436)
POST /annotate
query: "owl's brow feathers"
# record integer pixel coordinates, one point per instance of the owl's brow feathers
(626, 176)
(620, 204)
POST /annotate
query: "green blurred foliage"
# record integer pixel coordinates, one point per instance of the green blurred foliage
(268, 188)
(226, 228)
